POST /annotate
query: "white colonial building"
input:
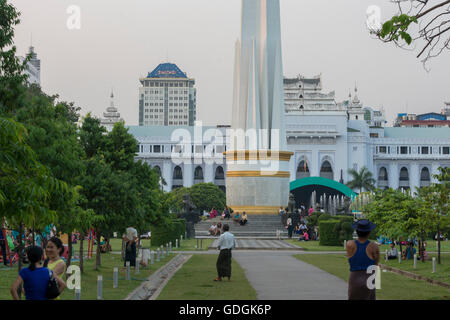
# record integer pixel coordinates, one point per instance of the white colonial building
(326, 137)
(111, 116)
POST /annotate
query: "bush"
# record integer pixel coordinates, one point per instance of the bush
(328, 233)
(163, 234)
(326, 216)
(204, 196)
(338, 229)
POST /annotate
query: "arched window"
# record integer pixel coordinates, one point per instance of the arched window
(383, 175)
(301, 96)
(326, 171)
(219, 173)
(157, 170)
(303, 170)
(425, 175)
(177, 173)
(198, 173)
(301, 107)
(404, 176)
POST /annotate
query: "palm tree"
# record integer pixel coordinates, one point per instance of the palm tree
(361, 180)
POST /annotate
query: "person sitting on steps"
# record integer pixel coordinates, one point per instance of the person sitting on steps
(243, 220)
(236, 217)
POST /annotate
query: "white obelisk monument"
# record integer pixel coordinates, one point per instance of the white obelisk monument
(257, 163)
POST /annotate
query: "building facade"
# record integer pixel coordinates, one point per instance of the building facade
(326, 137)
(167, 98)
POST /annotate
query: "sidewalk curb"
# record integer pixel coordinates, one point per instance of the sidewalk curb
(152, 287)
(415, 276)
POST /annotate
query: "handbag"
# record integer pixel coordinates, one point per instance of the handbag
(52, 287)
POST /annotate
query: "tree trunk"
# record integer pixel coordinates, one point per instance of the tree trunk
(69, 247)
(439, 244)
(98, 253)
(401, 248)
(123, 250)
(19, 289)
(81, 252)
(20, 246)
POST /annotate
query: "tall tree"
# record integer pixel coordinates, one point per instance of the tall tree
(361, 180)
(25, 184)
(395, 213)
(434, 202)
(12, 76)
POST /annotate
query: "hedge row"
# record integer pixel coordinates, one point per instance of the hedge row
(333, 230)
(168, 233)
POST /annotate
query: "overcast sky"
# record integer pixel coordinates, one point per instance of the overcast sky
(122, 40)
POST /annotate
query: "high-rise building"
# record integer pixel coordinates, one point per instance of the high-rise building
(167, 98)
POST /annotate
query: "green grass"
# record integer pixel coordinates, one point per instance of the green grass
(431, 246)
(393, 286)
(424, 268)
(314, 245)
(194, 281)
(89, 279)
(190, 245)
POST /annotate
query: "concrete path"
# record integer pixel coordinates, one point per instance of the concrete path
(256, 244)
(279, 276)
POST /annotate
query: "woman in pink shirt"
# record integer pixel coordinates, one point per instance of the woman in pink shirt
(305, 236)
(311, 210)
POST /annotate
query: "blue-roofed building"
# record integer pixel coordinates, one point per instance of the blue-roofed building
(426, 120)
(167, 97)
(167, 70)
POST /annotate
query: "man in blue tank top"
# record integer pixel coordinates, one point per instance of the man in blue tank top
(362, 254)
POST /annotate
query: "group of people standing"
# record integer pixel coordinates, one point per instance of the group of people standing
(36, 277)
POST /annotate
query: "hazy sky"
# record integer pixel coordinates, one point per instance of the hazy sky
(122, 40)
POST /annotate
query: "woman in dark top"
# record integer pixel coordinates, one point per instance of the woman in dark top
(361, 254)
(35, 278)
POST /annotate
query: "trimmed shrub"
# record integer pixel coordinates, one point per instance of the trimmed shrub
(336, 231)
(328, 233)
(326, 216)
(163, 234)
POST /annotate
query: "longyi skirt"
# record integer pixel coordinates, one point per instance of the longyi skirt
(357, 286)
(224, 263)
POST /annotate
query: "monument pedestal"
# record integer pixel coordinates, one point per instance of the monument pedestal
(257, 181)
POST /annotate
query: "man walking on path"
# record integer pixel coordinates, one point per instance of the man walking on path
(362, 254)
(226, 243)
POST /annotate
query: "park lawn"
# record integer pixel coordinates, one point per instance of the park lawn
(190, 245)
(424, 268)
(314, 245)
(431, 246)
(89, 278)
(194, 281)
(393, 286)
(116, 245)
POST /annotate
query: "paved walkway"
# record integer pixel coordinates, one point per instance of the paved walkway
(255, 244)
(279, 276)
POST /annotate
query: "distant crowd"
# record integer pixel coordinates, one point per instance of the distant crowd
(302, 229)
